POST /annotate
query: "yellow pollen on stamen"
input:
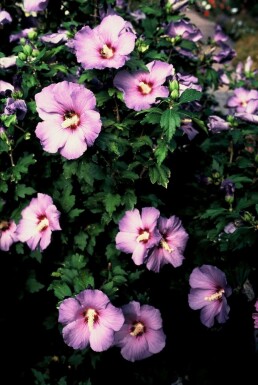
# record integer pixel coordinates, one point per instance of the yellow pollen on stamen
(90, 317)
(107, 52)
(244, 103)
(73, 121)
(42, 224)
(137, 329)
(145, 88)
(216, 296)
(143, 237)
(166, 246)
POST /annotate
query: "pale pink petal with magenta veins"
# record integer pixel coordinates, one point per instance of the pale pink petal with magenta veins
(76, 334)
(101, 338)
(69, 310)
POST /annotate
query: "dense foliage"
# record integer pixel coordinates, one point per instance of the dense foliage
(164, 146)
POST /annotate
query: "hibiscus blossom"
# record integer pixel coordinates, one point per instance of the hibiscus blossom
(142, 335)
(171, 246)
(90, 319)
(243, 100)
(70, 122)
(138, 233)
(107, 45)
(34, 5)
(142, 88)
(209, 290)
(7, 234)
(38, 221)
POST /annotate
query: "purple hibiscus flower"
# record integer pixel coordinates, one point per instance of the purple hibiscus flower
(90, 319)
(34, 5)
(16, 106)
(5, 17)
(38, 221)
(142, 335)
(243, 100)
(142, 88)
(209, 292)
(138, 233)
(217, 124)
(171, 246)
(185, 30)
(7, 234)
(71, 123)
(55, 38)
(107, 45)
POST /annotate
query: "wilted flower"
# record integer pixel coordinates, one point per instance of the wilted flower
(217, 124)
(142, 335)
(185, 30)
(186, 82)
(171, 246)
(38, 221)
(21, 34)
(107, 45)
(71, 123)
(90, 319)
(142, 88)
(34, 5)
(187, 128)
(219, 35)
(16, 106)
(138, 233)
(7, 234)
(225, 54)
(55, 38)
(209, 290)
(230, 228)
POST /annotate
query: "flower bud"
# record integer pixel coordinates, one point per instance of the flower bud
(27, 136)
(22, 40)
(27, 49)
(173, 85)
(174, 94)
(32, 35)
(35, 52)
(229, 198)
(22, 56)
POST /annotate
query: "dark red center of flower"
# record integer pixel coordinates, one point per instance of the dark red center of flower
(145, 87)
(91, 316)
(144, 235)
(4, 225)
(137, 329)
(43, 223)
(71, 120)
(107, 51)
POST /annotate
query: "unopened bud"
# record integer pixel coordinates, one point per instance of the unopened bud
(27, 49)
(27, 136)
(22, 56)
(229, 198)
(32, 35)
(174, 94)
(35, 52)
(22, 40)
(173, 85)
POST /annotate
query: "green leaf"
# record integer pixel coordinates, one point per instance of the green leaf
(129, 199)
(160, 175)
(169, 121)
(33, 286)
(21, 191)
(161, 151)
(190, 95)
(112, 201)
(61, 290)
(78, 261)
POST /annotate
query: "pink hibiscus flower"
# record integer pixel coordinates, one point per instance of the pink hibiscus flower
(70, 122)
(142, 335)
(171, 246)
(7, 234)
(209, 290)
(243, 100)
(38, 221)
(107, 45)
(35, 5)
(90, 319)
(138, 233)
(142, 88)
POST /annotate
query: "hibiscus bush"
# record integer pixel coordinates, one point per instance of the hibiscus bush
(129, 206)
